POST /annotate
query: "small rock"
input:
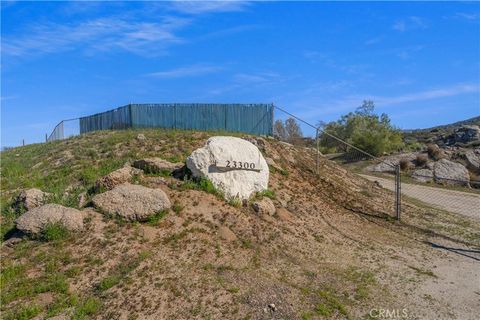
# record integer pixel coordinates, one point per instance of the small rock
(82, 199)
(12, 241)
(272, 307)
(132, 202)
(118, 177)
(31, 198)
(141, 137)
(284, 215)
(226, 234)
(264, 206)
(156, 165)
(33, 221)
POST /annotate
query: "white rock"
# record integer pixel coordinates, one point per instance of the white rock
(210, 162)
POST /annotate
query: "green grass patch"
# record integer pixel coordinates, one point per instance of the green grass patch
(87, 308)
(235, 202)
(55, 232)
(155, 219)
(266, 193)
(22, 312)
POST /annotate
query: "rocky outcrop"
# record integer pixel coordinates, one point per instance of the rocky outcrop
(132, 202)
(234, 166)
(264, 206)
(449, 172)
(156, 165)
(423, 175)
(464, 134)
(472, 158)
(35, 220)
(388, 164)
(31, 198)
(117, 177)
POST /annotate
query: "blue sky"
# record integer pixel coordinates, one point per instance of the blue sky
(418, 61)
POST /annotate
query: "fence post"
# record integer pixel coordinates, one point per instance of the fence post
(398, 191)
(318, 151)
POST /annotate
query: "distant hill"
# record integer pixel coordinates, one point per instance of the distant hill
(443, 134)
(450, 126)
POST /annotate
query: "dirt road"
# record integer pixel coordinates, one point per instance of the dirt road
(454, 201)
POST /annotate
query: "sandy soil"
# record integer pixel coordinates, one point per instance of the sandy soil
(454, 201)
(337, 254)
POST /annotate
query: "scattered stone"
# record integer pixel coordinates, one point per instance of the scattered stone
(264, 206)
(117, 177)
(156, 165)
(272, 307)
(211, 162)
(35, 220)
(473, 159)
(283, 214)
(31, 198)
(12, 241)
(132, 202)
(141, 137)
(226, 234)
(82, 199)
(449, 172)
(423, 175)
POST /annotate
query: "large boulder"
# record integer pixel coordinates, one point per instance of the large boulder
(132, 202)
(449, 172)
(117, 177)
(423, 175)
(31, 198)
(234, 165)
(473, 159)
(156, 165)
(35, 220)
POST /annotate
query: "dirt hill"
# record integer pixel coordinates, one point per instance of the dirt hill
(332, 250)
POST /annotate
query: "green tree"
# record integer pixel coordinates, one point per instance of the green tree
(364, 129)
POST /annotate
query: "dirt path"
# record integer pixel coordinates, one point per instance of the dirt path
(454, 201)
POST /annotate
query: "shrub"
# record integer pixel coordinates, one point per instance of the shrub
(235, 202)
(421, 159)
(435, 152)
(177, 207)
(266, 193)
(54, 232)
(405, 164)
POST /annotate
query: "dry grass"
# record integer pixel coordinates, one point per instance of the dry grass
(336, 257)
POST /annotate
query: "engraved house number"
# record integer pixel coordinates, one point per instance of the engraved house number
(240, 164)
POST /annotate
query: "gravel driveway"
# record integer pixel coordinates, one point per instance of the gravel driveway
(464, 203)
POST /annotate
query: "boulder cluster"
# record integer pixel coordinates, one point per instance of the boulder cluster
(454, 167)
(234, 166)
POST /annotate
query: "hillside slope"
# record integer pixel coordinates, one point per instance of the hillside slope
(335, 252)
